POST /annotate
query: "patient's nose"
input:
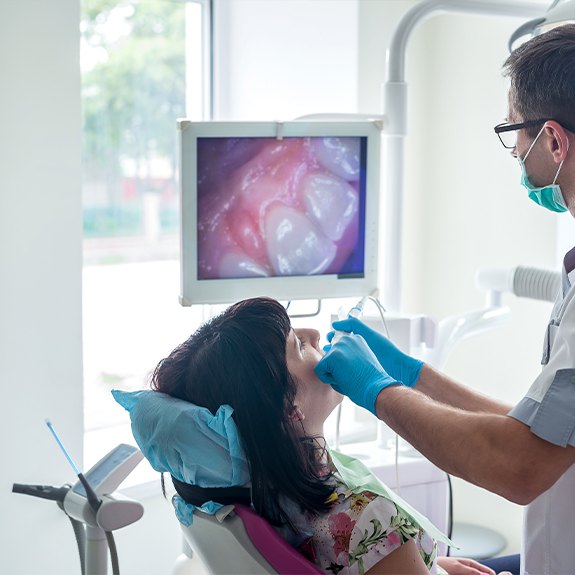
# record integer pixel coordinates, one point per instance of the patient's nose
(314, 337)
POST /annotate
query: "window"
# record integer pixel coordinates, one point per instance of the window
(144, 64)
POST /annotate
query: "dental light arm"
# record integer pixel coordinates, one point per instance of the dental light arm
(395, 119)
(560, 12)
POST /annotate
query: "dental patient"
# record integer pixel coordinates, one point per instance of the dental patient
(251, 359)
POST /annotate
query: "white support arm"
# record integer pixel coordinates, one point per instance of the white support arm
(425, 9)
(395, 123)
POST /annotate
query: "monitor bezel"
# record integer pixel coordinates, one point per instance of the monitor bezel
(226, 290)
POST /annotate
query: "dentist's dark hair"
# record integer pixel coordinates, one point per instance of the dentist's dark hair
(542, 74)
(239, 358)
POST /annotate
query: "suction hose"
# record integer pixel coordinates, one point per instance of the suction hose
(533, 283)
(536, 283)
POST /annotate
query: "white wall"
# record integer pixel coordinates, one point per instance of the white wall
(278, 59)
(464, 207)
(40, 269)
(40, 296)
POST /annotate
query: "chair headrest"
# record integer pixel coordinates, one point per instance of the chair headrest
(185, 440)
(197, 496)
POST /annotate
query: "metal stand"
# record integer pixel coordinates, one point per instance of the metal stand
(94, 520)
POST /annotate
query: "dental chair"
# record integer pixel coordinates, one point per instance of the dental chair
(203, 454)
(237, 541)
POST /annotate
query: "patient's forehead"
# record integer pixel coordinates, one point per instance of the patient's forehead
(292, 342)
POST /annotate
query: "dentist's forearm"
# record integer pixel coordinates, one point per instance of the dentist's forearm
(438, 386)
(451, 438)
(491, 450)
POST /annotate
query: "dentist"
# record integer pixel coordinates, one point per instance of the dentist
(523, 453)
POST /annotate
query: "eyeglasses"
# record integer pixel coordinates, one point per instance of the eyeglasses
(508, 132)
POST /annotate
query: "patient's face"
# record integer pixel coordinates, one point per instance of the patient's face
(315, 399)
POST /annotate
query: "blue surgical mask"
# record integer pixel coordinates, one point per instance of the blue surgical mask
(550, 196)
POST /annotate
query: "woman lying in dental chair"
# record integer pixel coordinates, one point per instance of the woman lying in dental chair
(251, 359)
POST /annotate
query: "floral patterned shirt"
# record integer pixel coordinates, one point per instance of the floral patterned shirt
(359, 531)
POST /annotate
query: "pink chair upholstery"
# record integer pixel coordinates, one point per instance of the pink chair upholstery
(277, 552)
(242, 543)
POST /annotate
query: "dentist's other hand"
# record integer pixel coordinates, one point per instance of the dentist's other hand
(463, 566)
(351, 368)
(399, 365)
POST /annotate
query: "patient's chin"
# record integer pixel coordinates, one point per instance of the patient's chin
(337, 398)
(330, 399)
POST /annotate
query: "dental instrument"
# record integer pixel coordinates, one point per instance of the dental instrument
(91, 496)
(356, 311)
(92, 506)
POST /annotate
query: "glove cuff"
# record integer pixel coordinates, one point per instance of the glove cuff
(372, 391)
(414, 372)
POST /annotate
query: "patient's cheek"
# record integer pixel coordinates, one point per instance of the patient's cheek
(285, 207)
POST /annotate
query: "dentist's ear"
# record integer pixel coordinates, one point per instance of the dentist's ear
(559, 140)
(296, 414)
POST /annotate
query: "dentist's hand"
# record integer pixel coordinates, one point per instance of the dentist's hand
(399, 365)
(351, 368)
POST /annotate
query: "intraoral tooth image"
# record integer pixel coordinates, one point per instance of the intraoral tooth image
(269, 207)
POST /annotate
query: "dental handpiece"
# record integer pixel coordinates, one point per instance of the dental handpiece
(356, 311)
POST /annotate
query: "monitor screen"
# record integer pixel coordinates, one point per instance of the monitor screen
(278, 209)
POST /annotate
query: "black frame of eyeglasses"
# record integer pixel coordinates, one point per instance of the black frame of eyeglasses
(505, 127)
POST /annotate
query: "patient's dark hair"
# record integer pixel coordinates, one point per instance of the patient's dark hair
(239, 358)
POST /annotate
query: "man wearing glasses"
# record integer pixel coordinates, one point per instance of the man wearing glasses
(525, 453)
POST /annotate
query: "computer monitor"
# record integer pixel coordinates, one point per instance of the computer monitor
(287, 210)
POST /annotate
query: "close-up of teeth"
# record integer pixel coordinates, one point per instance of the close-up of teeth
(268, 207)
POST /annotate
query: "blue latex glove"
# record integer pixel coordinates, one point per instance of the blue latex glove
(399, 365)
(351, 368)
